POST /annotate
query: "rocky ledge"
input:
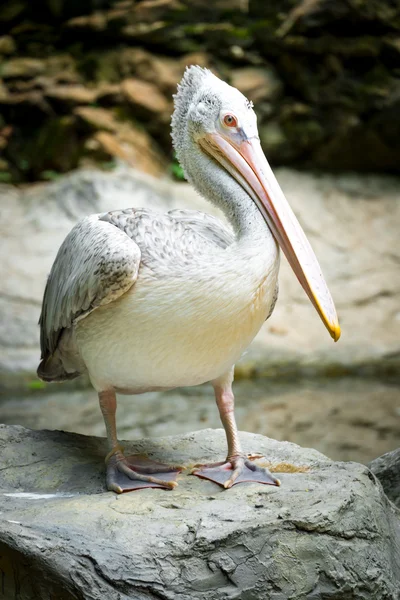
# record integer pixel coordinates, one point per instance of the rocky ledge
(387, 469)
(328, 532)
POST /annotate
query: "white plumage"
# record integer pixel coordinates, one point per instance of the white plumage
(143, 301)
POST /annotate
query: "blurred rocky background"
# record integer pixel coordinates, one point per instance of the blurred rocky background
(86, 87)
(85, 81)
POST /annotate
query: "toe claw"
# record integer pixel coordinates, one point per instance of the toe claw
(255, 456)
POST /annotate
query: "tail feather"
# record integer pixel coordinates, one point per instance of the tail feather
(52, 369)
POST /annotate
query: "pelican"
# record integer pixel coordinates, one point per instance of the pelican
(144, 301)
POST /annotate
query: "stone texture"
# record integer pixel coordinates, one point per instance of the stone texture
(144, 96)
(328, 532)
(119, 139)
(158, 70)
(63, 69)
(7, 44)
(134, 146)
(96, 22)
(387, 470)
(149, 11)
(258, 84)
(109, 93)
(22, 67)
(351, 221)
(71, 94)
(97, 118)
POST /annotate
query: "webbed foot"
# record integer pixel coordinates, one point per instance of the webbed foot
(236, 469)
(126, 474)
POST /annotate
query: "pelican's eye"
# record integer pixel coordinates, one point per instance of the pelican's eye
(230, 120)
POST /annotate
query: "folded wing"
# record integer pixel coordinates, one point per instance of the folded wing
(95, 265)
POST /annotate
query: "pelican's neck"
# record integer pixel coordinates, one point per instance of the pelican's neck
(220, 188)
(242, 213)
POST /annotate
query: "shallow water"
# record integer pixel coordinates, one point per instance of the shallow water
(346, 419)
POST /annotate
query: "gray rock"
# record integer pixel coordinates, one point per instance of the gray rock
(352, 222)
(326, 533)
(387, 470)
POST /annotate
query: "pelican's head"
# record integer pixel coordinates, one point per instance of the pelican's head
(221, 122)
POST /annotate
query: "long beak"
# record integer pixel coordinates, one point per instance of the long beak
(247, 163)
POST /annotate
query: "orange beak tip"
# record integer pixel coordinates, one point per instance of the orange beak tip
(336, 332)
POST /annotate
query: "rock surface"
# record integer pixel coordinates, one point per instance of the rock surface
(387, 470)
(351, 221)
(328, 532)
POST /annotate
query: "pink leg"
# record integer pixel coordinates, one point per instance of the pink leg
(226, 406)
(135, 472)
(237, 468)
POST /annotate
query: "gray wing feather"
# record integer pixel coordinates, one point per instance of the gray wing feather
(206, 225)
(96, 264)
